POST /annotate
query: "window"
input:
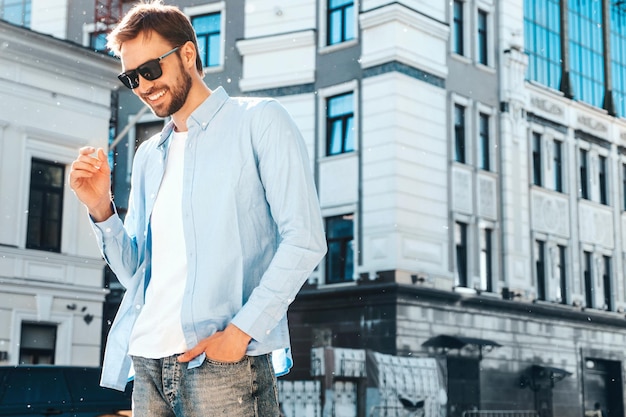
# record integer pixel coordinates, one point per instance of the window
(542, 33)
(17, 12)
(458, 28)
(37, 343)
(618, 56)
(45, 206)
(464, 377)
(459, 133)
(562, 273)
(486, 254)
(558, 166)
(340, 23)
(98, 41)
(208, 32)
(483, 49)
(537, 172)
(602, 180)
(340, 257)
(145, 130)
(606, 280)
(540, 269)
(624, 186)
(584, 175)
(460, 239)
(587, 50)
(483, 125)
(340, 124)
(587, 279)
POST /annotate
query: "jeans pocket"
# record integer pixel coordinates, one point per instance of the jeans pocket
(215, 362)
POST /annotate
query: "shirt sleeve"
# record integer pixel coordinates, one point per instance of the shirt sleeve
(290, 191)
(118, 240)
(117, 248)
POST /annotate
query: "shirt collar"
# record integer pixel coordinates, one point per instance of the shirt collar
(202, 115)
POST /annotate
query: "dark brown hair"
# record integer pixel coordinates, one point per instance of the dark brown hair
(153, 16)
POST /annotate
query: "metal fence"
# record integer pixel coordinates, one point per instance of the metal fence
(500, 413)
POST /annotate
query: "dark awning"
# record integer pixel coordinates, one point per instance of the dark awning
(458, 342)
(549, 372)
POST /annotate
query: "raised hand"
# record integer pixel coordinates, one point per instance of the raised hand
(90, 178)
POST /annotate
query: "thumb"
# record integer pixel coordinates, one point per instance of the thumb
(191, 354)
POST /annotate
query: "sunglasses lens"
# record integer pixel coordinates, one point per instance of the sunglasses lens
(151, 70)
(130, 79)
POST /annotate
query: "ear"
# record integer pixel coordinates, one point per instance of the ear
(188, 55)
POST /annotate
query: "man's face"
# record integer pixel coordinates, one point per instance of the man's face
(167, 94)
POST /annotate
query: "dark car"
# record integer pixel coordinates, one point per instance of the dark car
(48, 390)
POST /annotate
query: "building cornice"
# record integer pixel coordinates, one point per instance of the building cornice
(391, 292)
(37, 287)
(400, 13)
(62, 58)
(277, 42)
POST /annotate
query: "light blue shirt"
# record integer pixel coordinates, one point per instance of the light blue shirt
(251, 220)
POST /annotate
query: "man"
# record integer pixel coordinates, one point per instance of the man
(223, 228)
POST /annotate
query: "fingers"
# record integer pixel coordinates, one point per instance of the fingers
(93, 164)
(191, 354)
(104, 161)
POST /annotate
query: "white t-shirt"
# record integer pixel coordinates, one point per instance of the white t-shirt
(158, 331)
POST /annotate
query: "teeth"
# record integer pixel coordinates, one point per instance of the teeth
(157, 95)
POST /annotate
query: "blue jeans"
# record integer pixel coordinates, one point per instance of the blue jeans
(167, 388)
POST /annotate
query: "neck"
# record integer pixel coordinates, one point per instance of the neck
(198, 93)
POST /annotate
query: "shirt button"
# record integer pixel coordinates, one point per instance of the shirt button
(138, 307)
(108, 230)
(267, 331)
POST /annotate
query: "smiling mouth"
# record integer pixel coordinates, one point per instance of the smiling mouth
(156, 96)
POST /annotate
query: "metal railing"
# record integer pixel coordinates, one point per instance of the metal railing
(392, 411)
(500, 413)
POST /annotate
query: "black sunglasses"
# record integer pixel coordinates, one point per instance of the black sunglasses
(150, 70)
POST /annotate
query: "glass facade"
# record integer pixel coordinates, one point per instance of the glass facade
(618, 56)
(586, 53)
(542, 33)
(586, 50)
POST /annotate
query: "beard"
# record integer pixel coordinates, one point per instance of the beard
(178, 94)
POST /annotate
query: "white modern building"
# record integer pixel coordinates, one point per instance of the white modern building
(54, 98)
